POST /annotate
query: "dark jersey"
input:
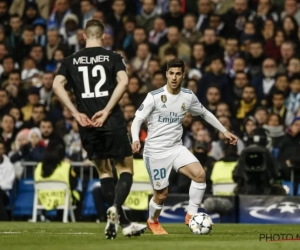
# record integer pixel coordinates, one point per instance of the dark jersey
(91, 73)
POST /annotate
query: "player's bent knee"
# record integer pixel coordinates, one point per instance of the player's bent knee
(125, 164)
(200, 176)
(161, 197)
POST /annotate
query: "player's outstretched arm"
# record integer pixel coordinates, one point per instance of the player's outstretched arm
(198, 109)
(100, 117)
(59, 90)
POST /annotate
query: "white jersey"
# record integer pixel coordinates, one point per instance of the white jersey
(165, 113)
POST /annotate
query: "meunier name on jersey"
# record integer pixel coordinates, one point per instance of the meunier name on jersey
(90, 60)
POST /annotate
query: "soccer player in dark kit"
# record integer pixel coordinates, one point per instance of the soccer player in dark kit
(98, 78)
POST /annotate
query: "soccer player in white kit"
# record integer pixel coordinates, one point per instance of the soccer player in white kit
(165, 108)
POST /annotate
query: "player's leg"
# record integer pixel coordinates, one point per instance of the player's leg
(108, 190)
(186, 163)
(120, 147)
(159, 178)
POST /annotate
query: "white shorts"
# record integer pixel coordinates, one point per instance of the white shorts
(159, 167)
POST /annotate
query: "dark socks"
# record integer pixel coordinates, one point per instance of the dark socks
(99, 204)
(122, 190)
(108, 190)
(117, 195)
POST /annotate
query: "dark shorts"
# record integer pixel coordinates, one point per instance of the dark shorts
(106, 144)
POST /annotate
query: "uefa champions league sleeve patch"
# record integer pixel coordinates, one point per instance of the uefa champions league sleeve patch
(141, 107)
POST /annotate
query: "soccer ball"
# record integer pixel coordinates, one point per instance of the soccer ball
(200, 223)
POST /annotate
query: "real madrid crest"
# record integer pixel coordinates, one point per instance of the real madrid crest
(183, 107)
(163, 98)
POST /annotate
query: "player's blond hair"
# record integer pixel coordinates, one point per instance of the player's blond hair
(94, 29)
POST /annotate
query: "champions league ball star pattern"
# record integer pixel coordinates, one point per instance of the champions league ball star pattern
(200, 223)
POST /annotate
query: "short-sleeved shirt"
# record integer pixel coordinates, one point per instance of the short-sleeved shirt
(91, 73)
(165, 113)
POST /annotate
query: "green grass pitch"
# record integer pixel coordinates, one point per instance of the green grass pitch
(89, 236)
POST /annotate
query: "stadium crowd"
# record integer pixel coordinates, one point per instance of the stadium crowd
(242, 62)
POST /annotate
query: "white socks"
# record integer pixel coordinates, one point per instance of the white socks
(154, 210)
(196, 193)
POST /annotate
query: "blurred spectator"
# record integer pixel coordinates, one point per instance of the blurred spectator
(5, 104)
(47, 131)
(249, 125)
(38, 113)
(4, 15)
(141, 60)
(24, 46)
(275, 129)
(261, 116)
(33, 151)
(46, 89)
(158, 80)
(213, 97)
(215, 75)
(7, 178)
(293, 100)
(236, 91)
(279, 108)
(115, 19)
(37, 54)
(33, 99)
(8, 131)
(129, 112)
(174, 17)
(264, 83)
(287, 51)
(291, 9)
(19, 7)
(212, 44)
(15, 34)
(87, 11)
(174, 41)
(255, 57)
(189, 32)
(158, 35)
(31, 13)
(289, 150)
(148, 14)
(247, 104)
(17, 114)
(139, 36)
(230, 53)
(8, 64)
(55, 21)
(39, 26)
(238, 15)
(204, 10)
(54, 43)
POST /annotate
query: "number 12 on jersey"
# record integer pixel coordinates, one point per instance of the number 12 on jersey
(98, 70)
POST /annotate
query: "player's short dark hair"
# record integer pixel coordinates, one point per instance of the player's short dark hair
(94, 28)
(176, 63)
